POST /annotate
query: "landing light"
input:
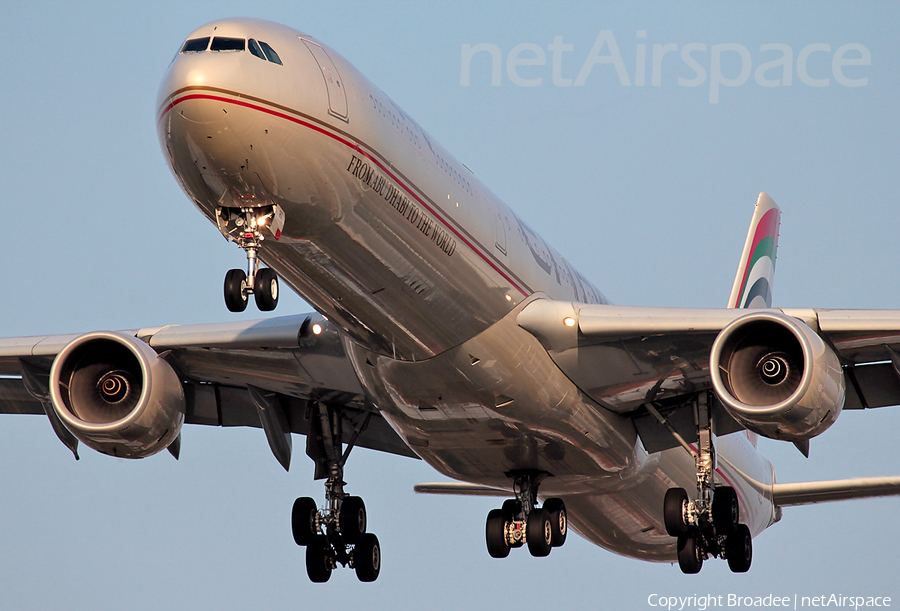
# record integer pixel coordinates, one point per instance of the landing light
(317, 329)
(569, 321)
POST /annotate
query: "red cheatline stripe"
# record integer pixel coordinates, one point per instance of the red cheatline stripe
(768, 226)
(354, 146)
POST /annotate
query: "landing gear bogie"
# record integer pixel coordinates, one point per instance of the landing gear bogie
(708, 524)
(705, 537)
(520, 521)
(336, 534)
(336, 537)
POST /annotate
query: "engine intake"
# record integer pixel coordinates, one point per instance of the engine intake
(776, 376)
(116, 395)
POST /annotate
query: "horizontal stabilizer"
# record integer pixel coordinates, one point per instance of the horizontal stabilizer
(460, 489)
(805, 493)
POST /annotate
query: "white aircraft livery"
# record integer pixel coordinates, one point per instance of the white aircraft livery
(448, 330)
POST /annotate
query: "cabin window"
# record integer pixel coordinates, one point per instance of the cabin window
(195, 45)
(255, 50)
(223, 43)
(271, 55)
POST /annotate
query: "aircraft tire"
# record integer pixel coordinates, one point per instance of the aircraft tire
(673, 512)
(303, 521)
(511, 507)
(539, 533)
(265, 289)
(739, 549)
(318, 563)
(235, 299)
(689, 559)
(559, 521)
(495, 533)
(367, 558)
(352, 519)
(725, 510)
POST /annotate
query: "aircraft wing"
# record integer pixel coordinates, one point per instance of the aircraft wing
(220, 365)
(627, 357)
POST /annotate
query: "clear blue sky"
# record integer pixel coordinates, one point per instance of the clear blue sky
(646, 189)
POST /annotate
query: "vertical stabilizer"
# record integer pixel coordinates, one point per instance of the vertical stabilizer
(756, 273)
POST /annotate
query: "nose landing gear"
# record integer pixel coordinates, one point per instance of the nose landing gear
(245, 227)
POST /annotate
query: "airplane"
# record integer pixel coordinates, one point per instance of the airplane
(446, 329)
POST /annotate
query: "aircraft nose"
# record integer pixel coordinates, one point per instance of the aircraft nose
(188, 72)
(222, 117)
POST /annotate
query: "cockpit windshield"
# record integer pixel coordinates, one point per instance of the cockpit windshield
(254, 49)
(195, 45)
(225, 43)
(270, 53)
(222, 43)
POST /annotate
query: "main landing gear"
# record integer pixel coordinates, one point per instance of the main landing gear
(244, 226)
(519, 521)
(708, 525)
(336, 534)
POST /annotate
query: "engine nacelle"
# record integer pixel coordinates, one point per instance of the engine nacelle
(776, 376)
(116, 395)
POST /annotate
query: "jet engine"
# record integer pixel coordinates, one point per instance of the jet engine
(116, 395)
(776, 376)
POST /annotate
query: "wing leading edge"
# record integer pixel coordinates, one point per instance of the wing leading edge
(294, 360)
(623, 356)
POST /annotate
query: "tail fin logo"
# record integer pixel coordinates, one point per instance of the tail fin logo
(756, 275)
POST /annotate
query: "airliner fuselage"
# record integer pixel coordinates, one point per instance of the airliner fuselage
(423, 270)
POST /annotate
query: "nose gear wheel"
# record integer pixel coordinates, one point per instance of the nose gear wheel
(245, 226)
